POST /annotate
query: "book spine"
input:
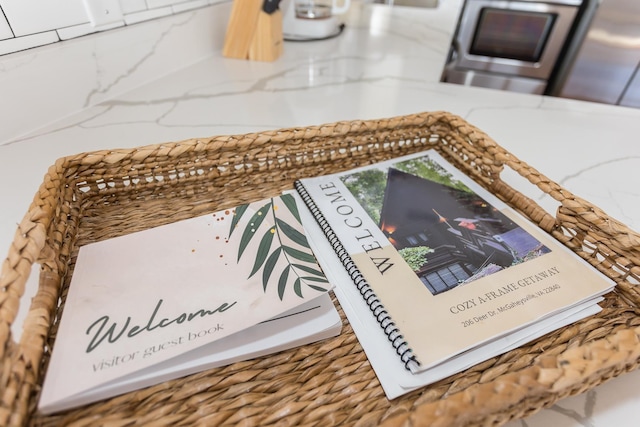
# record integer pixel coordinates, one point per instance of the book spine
(382, 316)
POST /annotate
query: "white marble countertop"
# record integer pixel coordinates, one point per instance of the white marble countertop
(166, 80)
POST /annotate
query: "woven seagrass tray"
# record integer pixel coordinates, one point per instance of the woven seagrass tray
(98, 195)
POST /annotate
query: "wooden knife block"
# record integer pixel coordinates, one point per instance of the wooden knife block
(252, 33)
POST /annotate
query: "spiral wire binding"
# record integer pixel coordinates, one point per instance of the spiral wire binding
(382, 316)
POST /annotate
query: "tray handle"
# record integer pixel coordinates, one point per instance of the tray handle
(22, 361)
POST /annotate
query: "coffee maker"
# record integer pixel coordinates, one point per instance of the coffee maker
(308, 20)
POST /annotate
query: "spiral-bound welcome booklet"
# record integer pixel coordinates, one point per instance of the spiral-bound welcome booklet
(434, 273)
(180, 298)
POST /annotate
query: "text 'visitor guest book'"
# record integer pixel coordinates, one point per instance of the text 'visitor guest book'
(180, 298)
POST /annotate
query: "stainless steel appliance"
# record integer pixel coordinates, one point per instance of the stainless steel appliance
(606, 67)
(510, 44)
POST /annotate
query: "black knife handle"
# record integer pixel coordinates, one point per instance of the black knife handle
(270, 6)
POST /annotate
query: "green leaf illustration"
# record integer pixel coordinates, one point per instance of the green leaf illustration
(299, 255)
(297, 288)
(240, 210)
(268, 254)
(263, 250)
(309, 270)
(254, 224)
(290, 202)
(292, 233)
(282, 283)
(269, 266)
(317, 288)
(315, 279)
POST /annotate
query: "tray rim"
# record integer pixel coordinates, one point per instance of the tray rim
(30, 247)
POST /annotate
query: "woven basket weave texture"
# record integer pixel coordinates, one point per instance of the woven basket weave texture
(94, 196)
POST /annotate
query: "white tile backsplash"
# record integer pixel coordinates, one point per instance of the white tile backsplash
(131, 6)
(188, 5)
(35, 16)
(84, 29)
(33, 23)
(146, 15)
(5, 29)
(103, 12)
(17, 44)
(162, 3)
